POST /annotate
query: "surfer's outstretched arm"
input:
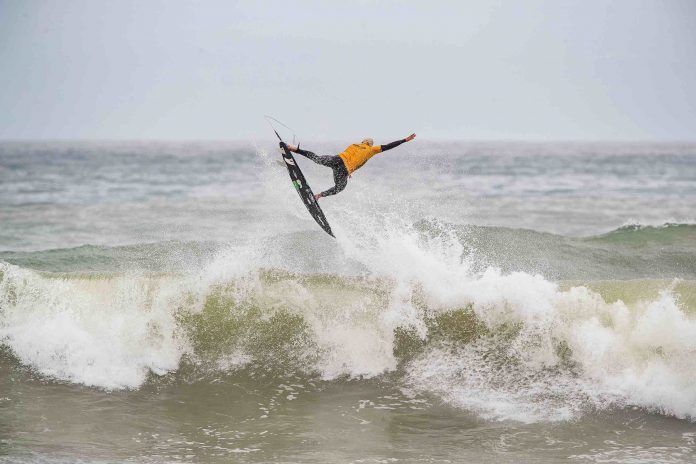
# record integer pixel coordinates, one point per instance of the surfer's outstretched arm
(395, 144)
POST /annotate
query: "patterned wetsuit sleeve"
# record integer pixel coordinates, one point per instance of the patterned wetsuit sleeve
(389, 146)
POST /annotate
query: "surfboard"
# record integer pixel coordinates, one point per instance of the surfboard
(303, 189)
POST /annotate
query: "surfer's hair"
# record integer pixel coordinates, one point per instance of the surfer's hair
(368, 141)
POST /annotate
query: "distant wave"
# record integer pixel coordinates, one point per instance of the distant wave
(665, 228)
(630, 252)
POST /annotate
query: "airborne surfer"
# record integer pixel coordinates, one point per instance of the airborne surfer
(348, 161)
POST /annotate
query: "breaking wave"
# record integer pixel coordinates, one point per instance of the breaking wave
(420, 307)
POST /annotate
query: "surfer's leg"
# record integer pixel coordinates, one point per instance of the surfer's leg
(340, 179)
(323, 160)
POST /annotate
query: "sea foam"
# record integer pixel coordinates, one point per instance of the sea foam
(535, 351)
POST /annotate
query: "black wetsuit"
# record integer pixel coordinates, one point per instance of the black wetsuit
(339, 168)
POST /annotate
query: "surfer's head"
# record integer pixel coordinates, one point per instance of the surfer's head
(368, 141)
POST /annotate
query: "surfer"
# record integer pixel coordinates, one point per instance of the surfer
(348, 161)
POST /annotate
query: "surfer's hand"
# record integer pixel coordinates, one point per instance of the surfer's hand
(317, 197)
(410, 137)
(292, 148)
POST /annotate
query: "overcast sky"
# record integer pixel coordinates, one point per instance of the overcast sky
(530, 70)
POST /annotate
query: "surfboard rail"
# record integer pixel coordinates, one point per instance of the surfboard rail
(303, 188)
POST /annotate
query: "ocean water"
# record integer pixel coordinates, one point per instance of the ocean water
(481, 302)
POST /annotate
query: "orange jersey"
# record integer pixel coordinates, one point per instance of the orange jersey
(357, 154)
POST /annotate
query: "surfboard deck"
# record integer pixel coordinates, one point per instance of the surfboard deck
(303, 189)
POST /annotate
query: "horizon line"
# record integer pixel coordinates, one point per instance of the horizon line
(331, 140)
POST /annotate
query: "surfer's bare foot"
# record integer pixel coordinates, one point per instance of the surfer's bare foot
(317, 197)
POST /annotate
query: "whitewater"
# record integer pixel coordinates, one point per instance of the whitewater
(481, 301)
